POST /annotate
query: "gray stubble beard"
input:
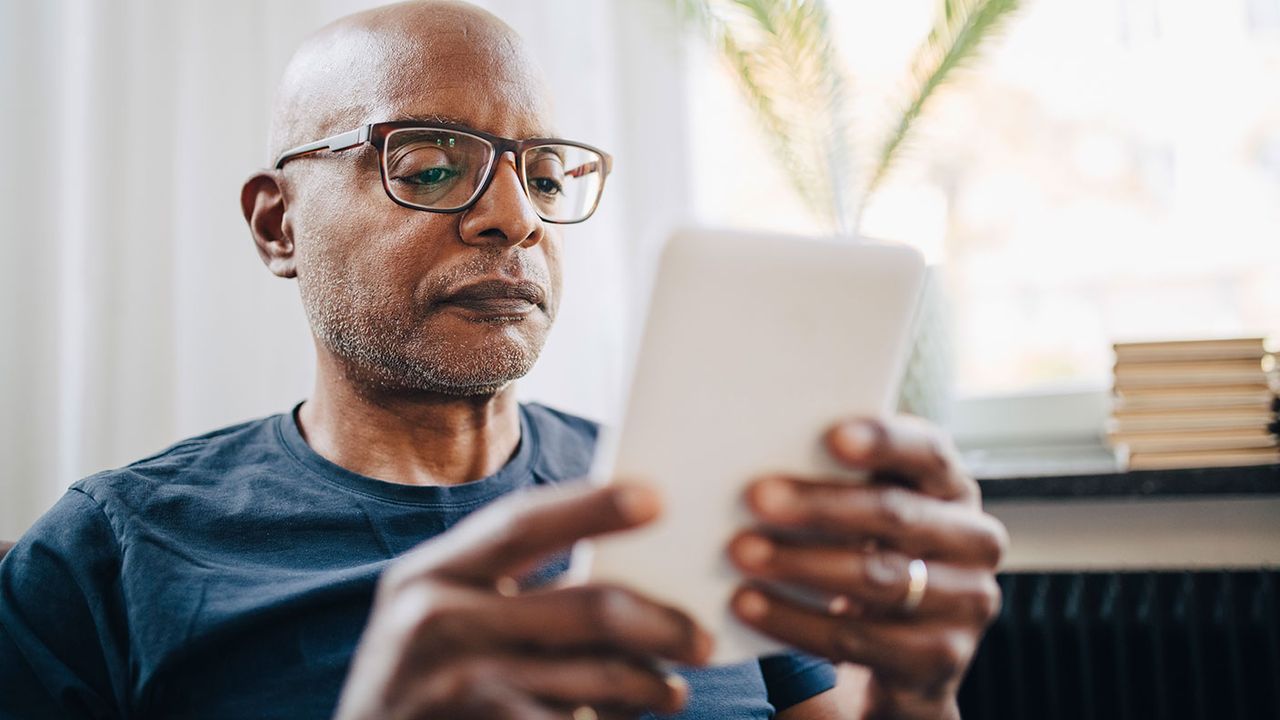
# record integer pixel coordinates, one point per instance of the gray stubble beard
(384, 349)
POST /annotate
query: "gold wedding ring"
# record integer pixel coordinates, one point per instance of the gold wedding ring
(917, 582)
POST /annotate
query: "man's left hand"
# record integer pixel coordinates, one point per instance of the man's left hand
(855, 545)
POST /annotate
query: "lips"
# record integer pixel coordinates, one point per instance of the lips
(498, 297)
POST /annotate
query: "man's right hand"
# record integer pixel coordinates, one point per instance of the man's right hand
(443, 642)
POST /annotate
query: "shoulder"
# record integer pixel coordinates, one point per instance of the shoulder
(565, 443)
(188, 466)
(559, 421)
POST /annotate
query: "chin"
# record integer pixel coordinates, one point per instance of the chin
(474, 366)
(446, 358)
(480, 391)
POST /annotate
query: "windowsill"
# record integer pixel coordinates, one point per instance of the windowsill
(1257, 480)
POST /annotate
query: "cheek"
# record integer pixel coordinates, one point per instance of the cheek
(359, 233)
(335, 212)
(552, 248)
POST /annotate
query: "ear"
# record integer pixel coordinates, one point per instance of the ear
(263, 203)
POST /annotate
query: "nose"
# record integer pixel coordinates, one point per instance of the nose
(503, 215)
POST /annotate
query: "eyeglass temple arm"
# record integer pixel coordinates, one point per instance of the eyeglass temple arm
(333, 143)
(591, 167)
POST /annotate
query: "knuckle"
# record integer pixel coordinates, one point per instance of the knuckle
(845, 645)
(632, 685)
(885, 571)
(948, 658)
(392, 581)
(462, 686)
(987, 601)
(434, 620)
(937, 456)
(999, 537)
(986, 549)
(686, 631)
(879, 433)
(614, 674)
(609, 608)
(897, 509)
(404, 574)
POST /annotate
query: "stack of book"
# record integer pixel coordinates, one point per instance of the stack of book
(1195, 403)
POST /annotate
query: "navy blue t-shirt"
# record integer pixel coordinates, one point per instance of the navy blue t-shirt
(230, 576)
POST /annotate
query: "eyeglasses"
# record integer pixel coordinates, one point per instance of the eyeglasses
(445, 169)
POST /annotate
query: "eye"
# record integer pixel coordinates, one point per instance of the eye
(431, 176)
(546, 186)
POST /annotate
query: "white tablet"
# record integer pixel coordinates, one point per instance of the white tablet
(754, 344)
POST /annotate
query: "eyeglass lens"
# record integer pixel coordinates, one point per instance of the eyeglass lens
(435, 169)
(442, 170)
(563, 181)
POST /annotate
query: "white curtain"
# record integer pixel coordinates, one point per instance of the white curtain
(133, 309)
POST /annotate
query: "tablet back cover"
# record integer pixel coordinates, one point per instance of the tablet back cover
(754, 344)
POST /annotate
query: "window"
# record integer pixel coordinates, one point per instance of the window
(1110, 170)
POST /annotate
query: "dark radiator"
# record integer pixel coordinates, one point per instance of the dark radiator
(1131, 646)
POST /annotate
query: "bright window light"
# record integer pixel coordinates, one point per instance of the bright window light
(1110, 170)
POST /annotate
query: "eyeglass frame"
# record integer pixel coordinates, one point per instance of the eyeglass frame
(376, 135)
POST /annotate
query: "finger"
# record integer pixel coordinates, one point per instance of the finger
(915, 656)
(588, 618)
(912, 523)
(908, 704)
(606, 617)
(598, 682)
(471, 696)
(513, 534)
(876, 583)
(912, 451)
(592, 712)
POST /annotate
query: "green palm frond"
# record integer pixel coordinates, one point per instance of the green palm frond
(785, 64)
(960, 29)
(783, 56)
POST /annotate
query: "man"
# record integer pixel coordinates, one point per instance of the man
(355, 554)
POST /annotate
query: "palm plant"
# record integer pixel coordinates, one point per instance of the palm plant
(784, 60)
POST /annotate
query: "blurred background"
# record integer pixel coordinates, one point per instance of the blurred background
(1104, 170)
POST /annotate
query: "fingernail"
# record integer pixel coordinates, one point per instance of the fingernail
(679, 689)
(507, 586)
(774, 496)
(842, 606)
(752, 605)
(753, 551)
(855, 438)
(838, 605)
(636, 502)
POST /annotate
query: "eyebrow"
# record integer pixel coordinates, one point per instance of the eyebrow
(437, 119)
(457, 123)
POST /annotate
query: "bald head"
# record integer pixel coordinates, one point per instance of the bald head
(385, 286)
(382, 63)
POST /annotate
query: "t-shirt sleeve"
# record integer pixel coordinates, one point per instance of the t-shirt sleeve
(63, 637)
(792, 678)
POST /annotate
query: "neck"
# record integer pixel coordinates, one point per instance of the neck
(412, 438)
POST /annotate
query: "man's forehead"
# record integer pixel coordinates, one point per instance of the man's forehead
(436, 62)
(468, 90)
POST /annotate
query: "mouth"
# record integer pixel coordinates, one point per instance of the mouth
(497, 300)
